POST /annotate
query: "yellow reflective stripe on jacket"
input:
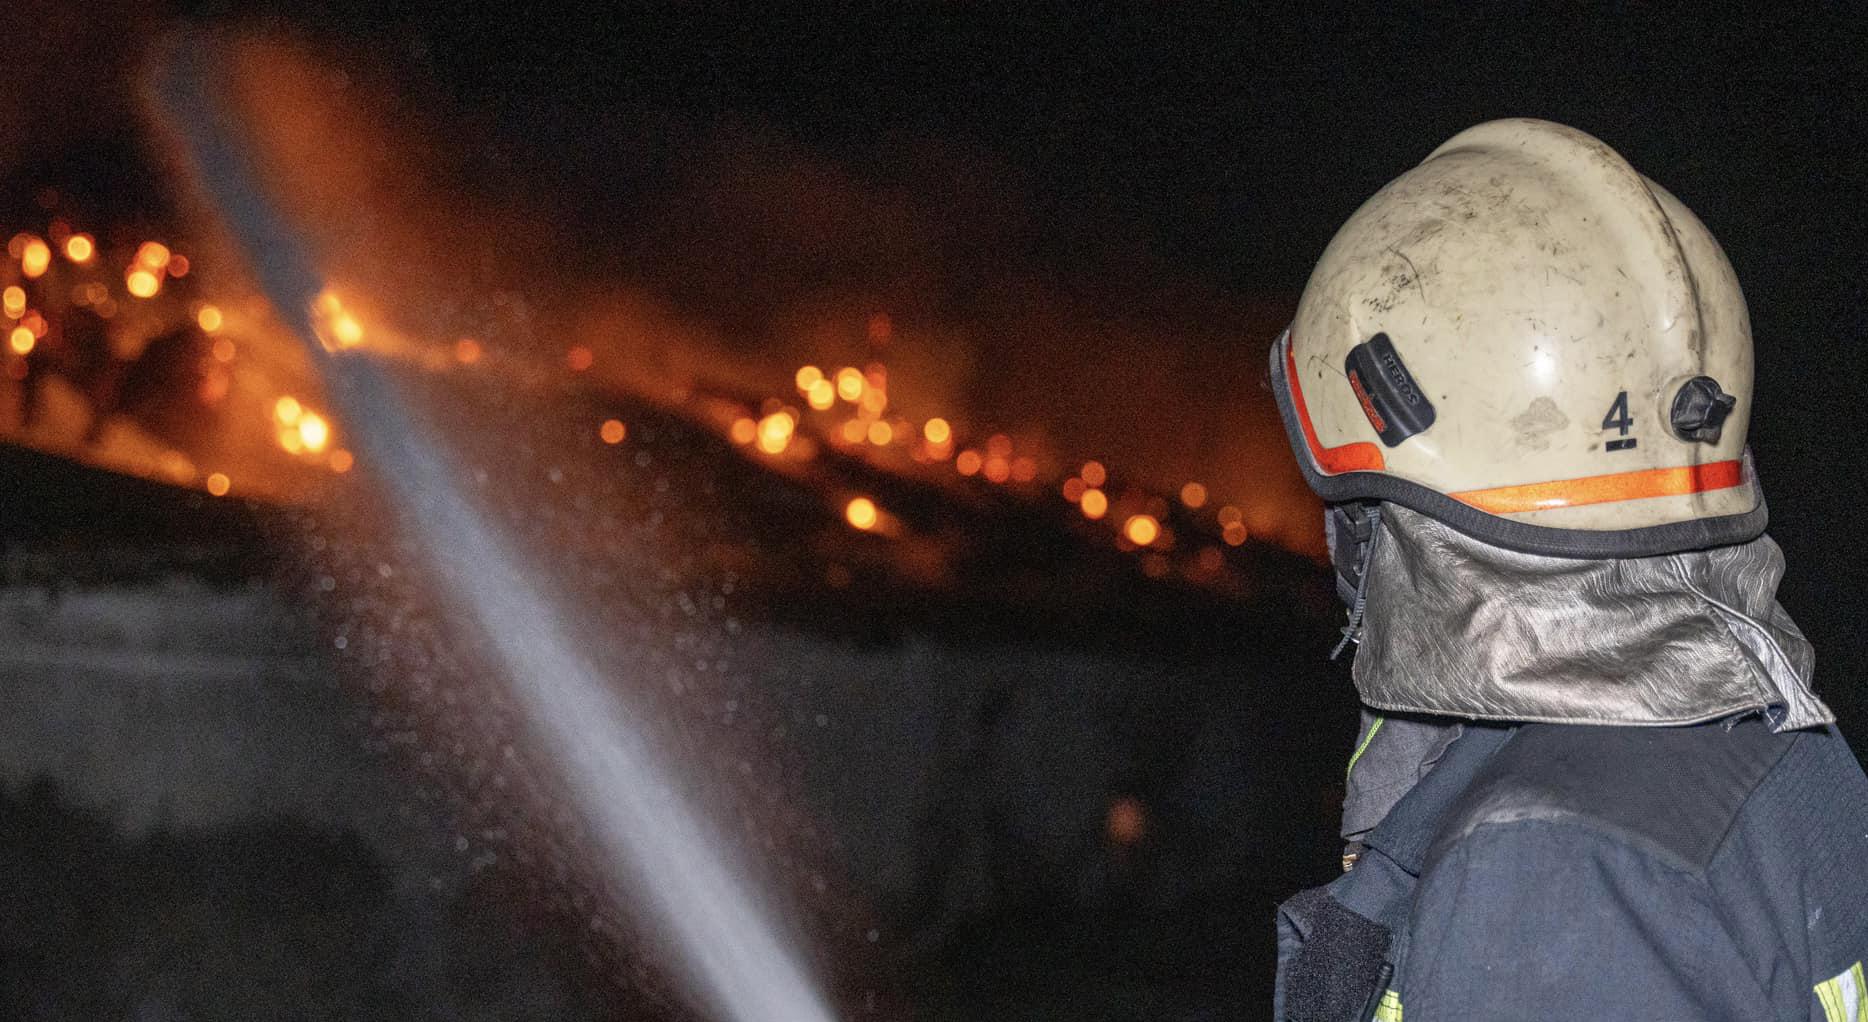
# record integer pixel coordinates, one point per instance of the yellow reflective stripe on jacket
(1844, 996)
(1363, 745)
(1389, 1009)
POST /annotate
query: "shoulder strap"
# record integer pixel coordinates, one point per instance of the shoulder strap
(1408, 831)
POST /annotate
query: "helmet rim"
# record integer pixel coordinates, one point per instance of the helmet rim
(1511, 534)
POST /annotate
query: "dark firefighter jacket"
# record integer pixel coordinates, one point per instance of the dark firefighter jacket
(1600, 873)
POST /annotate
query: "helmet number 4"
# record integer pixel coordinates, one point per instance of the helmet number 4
(1619, 419)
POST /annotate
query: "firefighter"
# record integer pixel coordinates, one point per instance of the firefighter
(1593, 781)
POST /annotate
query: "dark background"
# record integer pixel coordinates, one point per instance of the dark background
(1220, 148)
(1134, 161)
(1151, 154)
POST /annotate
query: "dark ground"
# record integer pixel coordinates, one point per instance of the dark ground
(269, 917)
(964, 780)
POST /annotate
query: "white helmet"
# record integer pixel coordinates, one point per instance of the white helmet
(1529, 341)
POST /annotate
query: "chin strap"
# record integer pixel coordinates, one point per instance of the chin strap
(1365, 553)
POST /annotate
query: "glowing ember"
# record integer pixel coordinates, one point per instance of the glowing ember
(997, 470)
(744, 431)
(1094, 474)
(968, 463)
(854, 432)
(822, 394)
(861, 513)
(579, 359)
(79, 248)
(287, 410)
(152, 255)
(342, 460)
(937, 431)
(215, 383)
(1234, 534)
(14, 300)
(1193, 495)
(21, 340)
(999, 446)
(613, 431)
(1142, 530)
(1074, 489)
(313, 432)
(219, 484)
(224, 350)
(142, 283)
(775, 432)
(341, 329)
(881, 433)
(850, 384)
(35, 258)
(807, 379)
(1127, 822)
(875, 400)
(178, 266)
(349, 332)
(209, 319)
(1024, 470)
(1095, 504)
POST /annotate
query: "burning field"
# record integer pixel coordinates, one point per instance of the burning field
(792, 608)
(142, 344)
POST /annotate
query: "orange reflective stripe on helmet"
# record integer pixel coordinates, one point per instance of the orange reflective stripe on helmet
(1360, 456)
(1653, 482)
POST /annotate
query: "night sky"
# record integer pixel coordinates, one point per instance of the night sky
(1230, 145)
